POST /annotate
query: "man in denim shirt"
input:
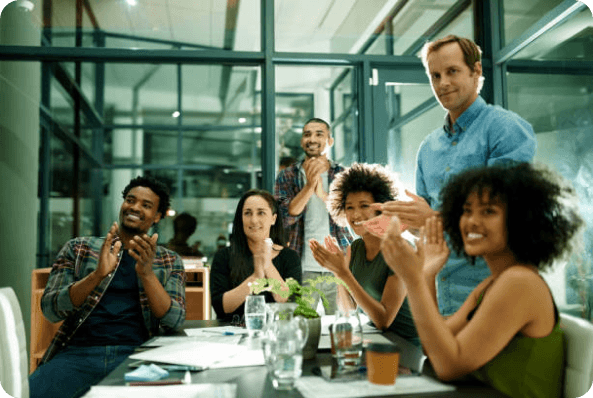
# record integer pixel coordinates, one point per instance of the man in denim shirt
(112, 293)
(474, 134)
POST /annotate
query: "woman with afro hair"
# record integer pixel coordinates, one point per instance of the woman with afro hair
(520, 218)
(377, 290)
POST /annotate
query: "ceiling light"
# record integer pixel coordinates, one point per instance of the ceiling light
(176, 114)
(242, 120)
(171, 212)
(132, 2)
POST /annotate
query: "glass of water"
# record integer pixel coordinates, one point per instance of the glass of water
(347, 338)
(255, 314)
(282, 344)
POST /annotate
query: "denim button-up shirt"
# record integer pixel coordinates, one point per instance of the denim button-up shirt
(483, 135)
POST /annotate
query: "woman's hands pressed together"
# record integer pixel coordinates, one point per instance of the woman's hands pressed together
(262, 257)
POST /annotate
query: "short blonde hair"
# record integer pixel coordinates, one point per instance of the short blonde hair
(471, 51)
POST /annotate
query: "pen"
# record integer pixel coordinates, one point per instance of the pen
(225, 333)
(156, 383)
(182, 368)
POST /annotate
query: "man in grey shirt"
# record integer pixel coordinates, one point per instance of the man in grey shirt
(301, 190)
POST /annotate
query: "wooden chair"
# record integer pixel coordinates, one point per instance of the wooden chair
(42, 330)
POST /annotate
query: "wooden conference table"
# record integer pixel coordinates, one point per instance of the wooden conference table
(253, 382)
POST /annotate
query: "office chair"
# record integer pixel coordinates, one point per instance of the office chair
(578, 373)
(14, 377)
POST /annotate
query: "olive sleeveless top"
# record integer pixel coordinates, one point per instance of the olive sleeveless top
(527, 366)
(372, 276)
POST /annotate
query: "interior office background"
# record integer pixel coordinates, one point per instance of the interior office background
(208, 95)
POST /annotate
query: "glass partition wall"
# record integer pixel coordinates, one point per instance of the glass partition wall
(208, 96)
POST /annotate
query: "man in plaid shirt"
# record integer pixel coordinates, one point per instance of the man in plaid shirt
(301, 190)
(112, 293)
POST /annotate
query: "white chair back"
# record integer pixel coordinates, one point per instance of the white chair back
(578, 375)
(14, 376)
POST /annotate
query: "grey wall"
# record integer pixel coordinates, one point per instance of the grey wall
(19, 153)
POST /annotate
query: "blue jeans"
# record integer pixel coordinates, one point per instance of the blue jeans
(73, 370)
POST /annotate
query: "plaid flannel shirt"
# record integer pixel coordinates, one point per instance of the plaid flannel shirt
(78, 258)
(288, 184)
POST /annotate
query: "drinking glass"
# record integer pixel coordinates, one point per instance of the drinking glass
(282, 344)
(347, 338)
(255, 314)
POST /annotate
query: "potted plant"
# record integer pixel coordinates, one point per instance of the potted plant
(305, 297)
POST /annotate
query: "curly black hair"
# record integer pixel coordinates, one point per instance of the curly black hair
(359, 177)
(541, 218)
(156, 186)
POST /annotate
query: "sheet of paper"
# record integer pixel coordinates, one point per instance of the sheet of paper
(160, 341)
(203, 354)
(222, 330)
(177, 391)
(251, 357)
(317, 387)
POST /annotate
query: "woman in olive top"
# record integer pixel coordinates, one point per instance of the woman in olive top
(373, 286)
(519, 218)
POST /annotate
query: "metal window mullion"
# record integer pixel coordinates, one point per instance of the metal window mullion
(268, 135)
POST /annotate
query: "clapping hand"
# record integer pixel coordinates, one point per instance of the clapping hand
(109, 253)
(313, 168)
(434, 246)
(330, 256)
(412, 214)
(399, 255)
(143, 249)
(378, 225)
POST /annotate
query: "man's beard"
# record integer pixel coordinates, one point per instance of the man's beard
(130, 230)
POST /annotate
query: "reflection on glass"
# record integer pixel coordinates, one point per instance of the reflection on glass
(294, 109)
(330, 27)
(220, 95)
(569, 41)
(411, 135)
(521, 15)
(215, 218)
(560, 108)
(140, 94)
(62, 105)
(127, 146)
(412, 23)
(462, 25)
(86, 218)
(292, 112)
(213, 24)
(168, 177)
(61, 203)
(159, 147)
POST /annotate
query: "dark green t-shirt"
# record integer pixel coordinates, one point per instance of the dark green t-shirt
(372, 276)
